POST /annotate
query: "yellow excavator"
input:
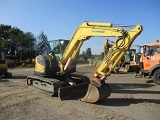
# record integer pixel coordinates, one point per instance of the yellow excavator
(55, 71)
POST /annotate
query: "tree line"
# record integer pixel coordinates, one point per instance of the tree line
(88, 54)
(21, 45)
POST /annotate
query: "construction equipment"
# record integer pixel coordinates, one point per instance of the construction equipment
(54, 72)
(127, 62)
(149, 61)
(4, 65)
(128, 59)
(107, 46)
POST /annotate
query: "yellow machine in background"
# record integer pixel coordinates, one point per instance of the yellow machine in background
(55, 71)
(126, 64)
(107, 46)
(4, 65)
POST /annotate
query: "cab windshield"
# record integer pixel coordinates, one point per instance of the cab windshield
(54, 45)
(58, 46)
(152, 50)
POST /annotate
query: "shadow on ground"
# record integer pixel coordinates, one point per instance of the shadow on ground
(126, 101)
(4, 80)
(130, 85)
(130, 88)
(19, 77)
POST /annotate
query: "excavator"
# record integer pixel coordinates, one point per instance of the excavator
(55, 71)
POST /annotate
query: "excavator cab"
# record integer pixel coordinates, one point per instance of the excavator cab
(57, 49)
(47, 64)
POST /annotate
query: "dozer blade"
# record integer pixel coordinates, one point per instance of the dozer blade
(95, 93)
(73, 92)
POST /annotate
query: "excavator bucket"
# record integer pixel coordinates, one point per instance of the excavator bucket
(73, 92)
(95, 93)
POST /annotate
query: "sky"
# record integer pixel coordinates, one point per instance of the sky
(60, 18)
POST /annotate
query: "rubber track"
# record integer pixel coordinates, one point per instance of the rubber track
(55, 82)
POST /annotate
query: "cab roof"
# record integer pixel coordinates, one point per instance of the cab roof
(157, 43)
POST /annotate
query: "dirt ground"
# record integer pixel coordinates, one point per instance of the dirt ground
(131, 99)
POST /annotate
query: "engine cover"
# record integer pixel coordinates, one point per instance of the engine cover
(46, 65)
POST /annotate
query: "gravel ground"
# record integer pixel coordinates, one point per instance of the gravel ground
(131, 99)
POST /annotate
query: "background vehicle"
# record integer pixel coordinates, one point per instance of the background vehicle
(127, 63)
(149, 61)
(56, 71)
(130, 58)
(4, 65)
